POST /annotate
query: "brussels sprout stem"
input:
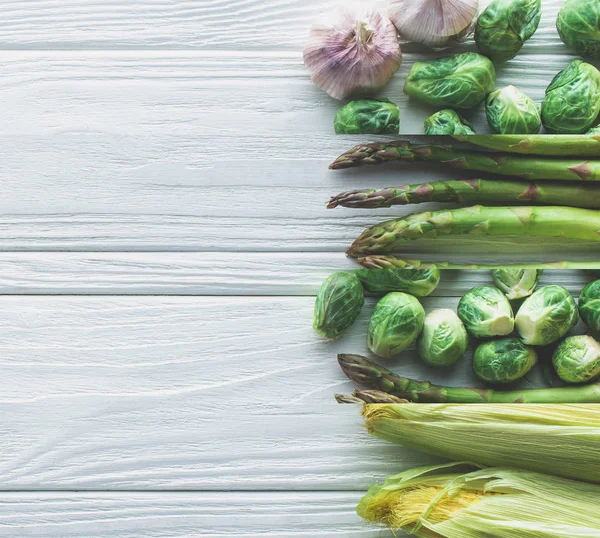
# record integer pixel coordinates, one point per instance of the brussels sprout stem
(473, 191)
(521, 167)
(551, 145)
(365, 372)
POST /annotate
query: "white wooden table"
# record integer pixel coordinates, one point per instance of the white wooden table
(163, 233)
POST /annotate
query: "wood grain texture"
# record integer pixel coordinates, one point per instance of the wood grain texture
(188, 393)
(192, 151)
(184, 515)
(210, 273)
(183, 24)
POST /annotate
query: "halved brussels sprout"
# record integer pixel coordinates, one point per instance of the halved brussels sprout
(417, 282)
(338, 304)
(505, 25)
(486, 312)
(572, 101)
(368, 116)
(503, 361)
(517, 283)
(578, 25)
(396, 322)
(546, 316)
(460, 81)
(577, 359)
(447, 122)
(510, 111)
(589, 305)
(444, 338)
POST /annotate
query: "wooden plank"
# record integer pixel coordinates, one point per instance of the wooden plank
(194, 393)
(220, 24)
(147, 151)
(183, 515)
(213, 273)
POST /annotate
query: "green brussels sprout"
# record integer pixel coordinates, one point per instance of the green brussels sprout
(486, 312)
(505, 25)
(510, 111)
(577, 359)
(418, 282)
(594, 130)
(447, 122)
(503, 361)
(338, 304)
(546, 316)
(396, 322)
(578, 25)
(572, 101)
(368, 116)
(444, 338)
(460, 81)
(517, 283)
(589, 305)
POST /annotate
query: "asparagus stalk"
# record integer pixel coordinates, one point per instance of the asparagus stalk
(550, 221)
(392, 262)
(473, 191)
(555, 145)
(505, 164)
(365, 372)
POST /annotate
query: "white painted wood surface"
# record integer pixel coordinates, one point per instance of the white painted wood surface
(162, 234)
(183, 515)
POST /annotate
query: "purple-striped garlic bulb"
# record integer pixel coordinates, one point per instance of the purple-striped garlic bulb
(438, 24)
(354, 52)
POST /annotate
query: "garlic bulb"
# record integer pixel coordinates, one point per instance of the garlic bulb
(436, 23)
(355, 52)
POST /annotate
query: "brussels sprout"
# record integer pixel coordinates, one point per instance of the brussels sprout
(418, 282)
(589, 305)
(546, 316)
(338, 304)
(505, 25)
(444, 338)
(517, 283)
(577, 359)
(594, 130)
(578, 25)
(572, 101)
(460, 81)
(503, 360)
(510, 111)
(396, 323)
(368, 116)
(447, 122)
(485, 311)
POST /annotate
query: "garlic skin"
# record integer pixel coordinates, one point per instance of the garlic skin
(438, 24)
(355, 52)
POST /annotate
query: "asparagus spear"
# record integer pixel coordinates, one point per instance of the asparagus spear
(550, 221)
(555, 145)
(365, 372)
(391, 262)
(473, 191)
(521, 167)
(369, 396)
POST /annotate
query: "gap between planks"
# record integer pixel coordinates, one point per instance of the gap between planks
(207, 274)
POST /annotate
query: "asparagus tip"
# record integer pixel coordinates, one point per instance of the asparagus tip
(347, 399)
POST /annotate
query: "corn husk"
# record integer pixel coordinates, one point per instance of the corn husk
(558, 439)
(460, 501)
